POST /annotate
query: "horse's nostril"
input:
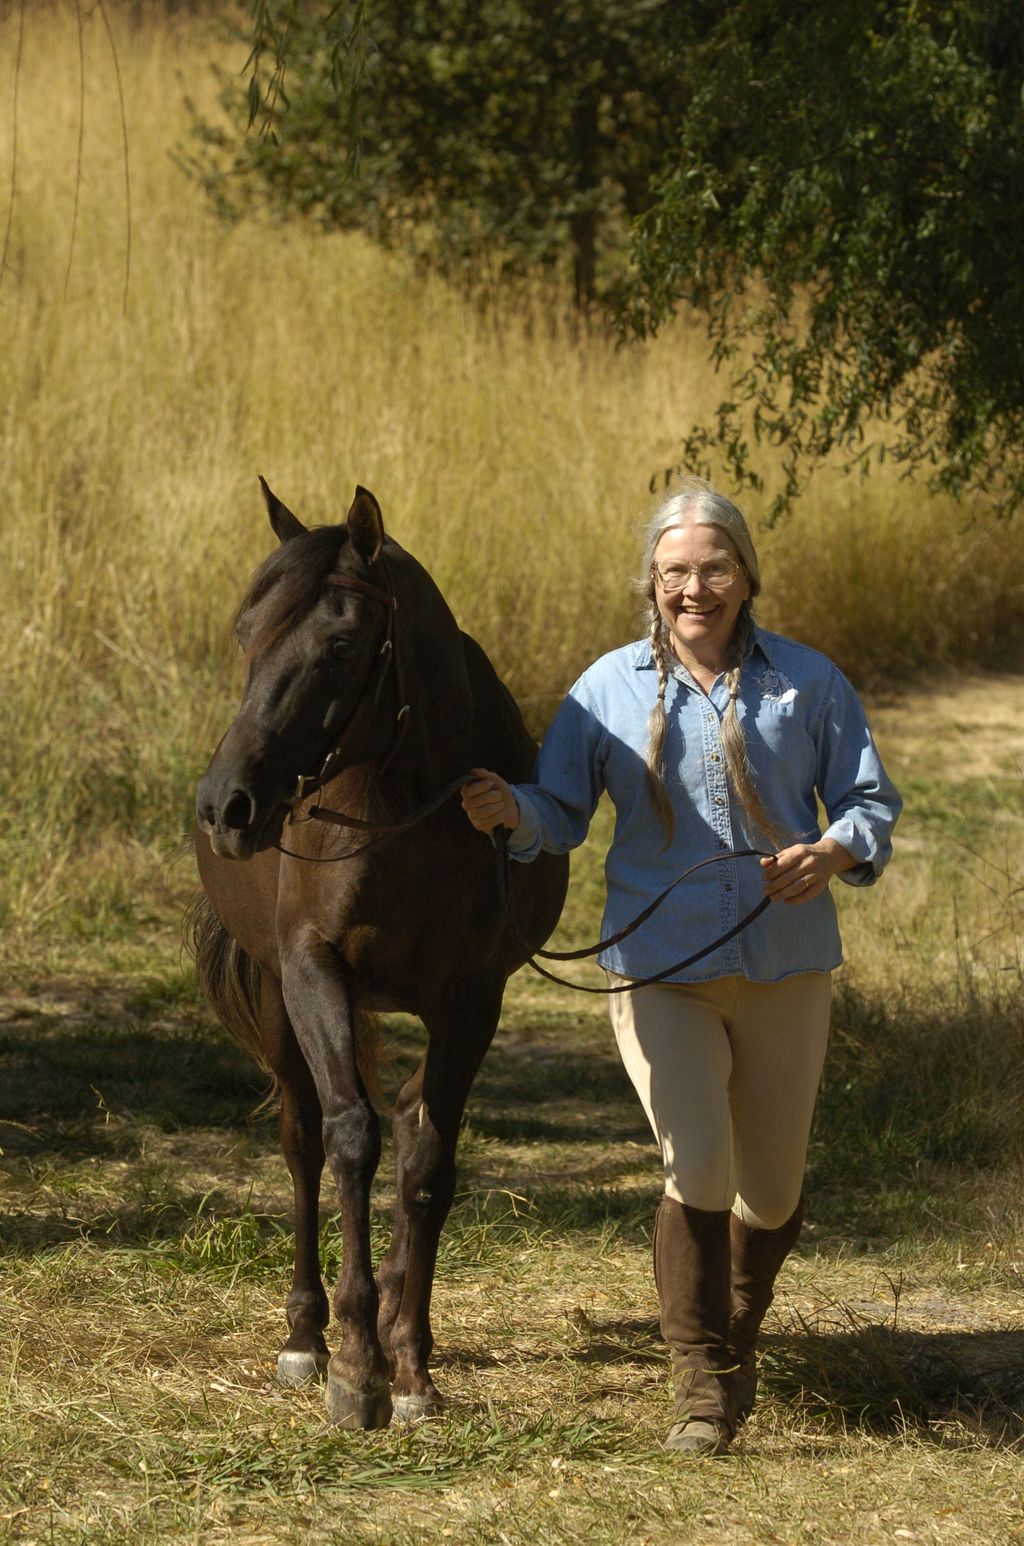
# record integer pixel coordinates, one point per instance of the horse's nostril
(239, 811)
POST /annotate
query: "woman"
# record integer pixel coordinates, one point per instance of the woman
(712, 735)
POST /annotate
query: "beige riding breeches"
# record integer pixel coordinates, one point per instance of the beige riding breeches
(728, 1073)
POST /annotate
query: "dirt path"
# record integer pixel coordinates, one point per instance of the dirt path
(970, 727)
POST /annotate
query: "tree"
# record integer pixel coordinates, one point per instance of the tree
(845, 203)
(838, 188)
(485, 131)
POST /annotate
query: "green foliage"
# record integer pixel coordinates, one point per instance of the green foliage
(466, 131)
(845, 205)
(837, 188)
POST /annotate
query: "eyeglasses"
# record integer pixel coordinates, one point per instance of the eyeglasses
(715, 573)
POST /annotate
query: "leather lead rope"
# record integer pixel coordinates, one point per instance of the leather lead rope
(500, 839)
(382, 832)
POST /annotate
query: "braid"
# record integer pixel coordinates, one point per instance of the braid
(658, 729)
(733, 743)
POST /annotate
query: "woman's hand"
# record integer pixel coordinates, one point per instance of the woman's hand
(799, 873)
(489, 802)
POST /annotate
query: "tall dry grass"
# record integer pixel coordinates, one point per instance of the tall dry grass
(510, 454)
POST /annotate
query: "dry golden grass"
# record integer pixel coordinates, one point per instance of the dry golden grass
(512, 456)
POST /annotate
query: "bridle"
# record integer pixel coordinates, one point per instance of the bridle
(308, 783)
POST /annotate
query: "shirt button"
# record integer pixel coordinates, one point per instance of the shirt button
(728, 888)
(719, 799)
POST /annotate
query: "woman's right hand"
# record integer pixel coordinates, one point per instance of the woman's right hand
(489, 802)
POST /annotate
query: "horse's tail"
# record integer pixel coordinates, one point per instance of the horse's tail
(230, 982)
(229, 979)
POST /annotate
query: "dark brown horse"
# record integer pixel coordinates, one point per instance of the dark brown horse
(361, 686)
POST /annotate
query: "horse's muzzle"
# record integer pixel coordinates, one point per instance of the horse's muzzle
(236, 823)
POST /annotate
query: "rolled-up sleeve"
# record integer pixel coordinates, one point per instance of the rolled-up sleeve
(555, 810)
(860, 800)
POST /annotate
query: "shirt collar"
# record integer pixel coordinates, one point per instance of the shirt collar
(643, 654)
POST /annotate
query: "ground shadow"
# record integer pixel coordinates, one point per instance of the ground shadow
(87, 1090)
(883, 1378)
(950, 1388)
(77, 1080)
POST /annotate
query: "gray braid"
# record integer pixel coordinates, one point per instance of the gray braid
(733, 741)
(658, 729)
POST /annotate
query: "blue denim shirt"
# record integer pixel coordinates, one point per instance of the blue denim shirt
(805, 733)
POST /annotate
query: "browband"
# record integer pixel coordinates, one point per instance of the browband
(364, 587)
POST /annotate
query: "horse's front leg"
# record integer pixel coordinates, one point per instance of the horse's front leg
(321, 1010)
(459, 1036)
(391, 1271)
(304, 1356)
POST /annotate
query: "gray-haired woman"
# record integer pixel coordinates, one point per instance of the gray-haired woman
(711, 735)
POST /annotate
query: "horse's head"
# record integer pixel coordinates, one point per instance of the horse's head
(316, 628)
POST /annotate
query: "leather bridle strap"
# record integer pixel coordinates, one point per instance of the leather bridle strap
(388, 651)
(308, 783)
(377, 592)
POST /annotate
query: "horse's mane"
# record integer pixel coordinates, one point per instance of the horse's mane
(291, 581)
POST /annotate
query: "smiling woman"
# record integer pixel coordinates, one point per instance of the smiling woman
(704, 578)
(711, 735)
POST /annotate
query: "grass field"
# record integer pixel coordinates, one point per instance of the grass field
(144, 1251)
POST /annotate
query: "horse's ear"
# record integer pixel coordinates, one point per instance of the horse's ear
(284, 523)
(366, 525)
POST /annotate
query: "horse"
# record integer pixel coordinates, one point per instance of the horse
(362, 693)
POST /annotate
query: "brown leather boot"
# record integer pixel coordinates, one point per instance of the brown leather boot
(691, 1269)
(757, 1255)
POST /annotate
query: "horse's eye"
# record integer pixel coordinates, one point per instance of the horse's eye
(339, 649)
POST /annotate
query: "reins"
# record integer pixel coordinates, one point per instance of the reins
(383, 830)
(500, 838)
(309, 783)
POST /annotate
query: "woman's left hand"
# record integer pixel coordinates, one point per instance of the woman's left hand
(800, 873)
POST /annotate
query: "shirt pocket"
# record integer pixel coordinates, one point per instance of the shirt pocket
(780, 738)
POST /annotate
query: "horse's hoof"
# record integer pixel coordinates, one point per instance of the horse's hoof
(415, 1409)
(348, 1407)
(295, 1368)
